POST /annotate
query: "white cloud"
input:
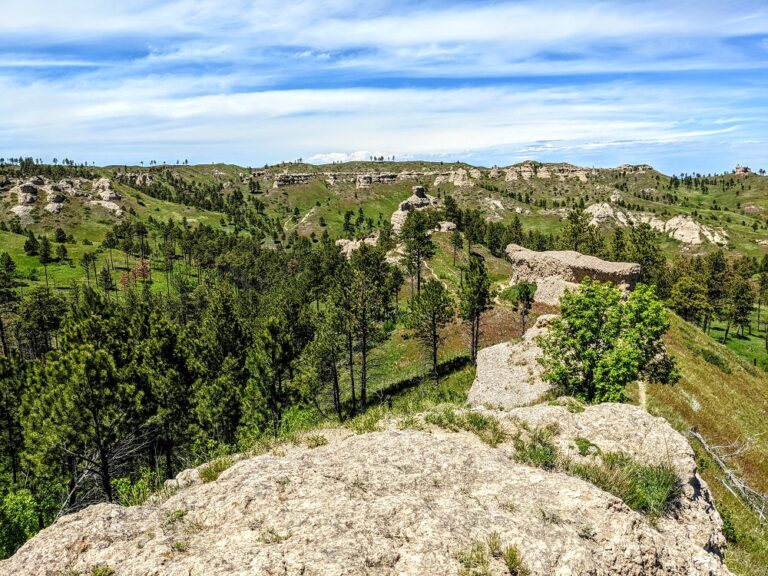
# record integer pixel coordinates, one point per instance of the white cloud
(265, 81)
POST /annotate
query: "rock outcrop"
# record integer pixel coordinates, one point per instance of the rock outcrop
(367, 180)
(682, 228)
(528, 170)
(103, 189)
(287, 179)
(459, 178)
(401, 502)
(508, 374)
(555, 271)
(417, 201)
(349, 246)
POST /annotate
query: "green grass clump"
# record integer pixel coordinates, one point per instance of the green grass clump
(474, 561)
(214, 468)
(316, 440)
(715, 359)
(538, 449)
(487, 428)
(585, 447)
(652, 490)
(102, 571)
(513, 560)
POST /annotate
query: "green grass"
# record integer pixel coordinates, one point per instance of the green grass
(751, 345)
(652, 490)
(536, 448)
(728, 407)
(487, 428)
(211, 471)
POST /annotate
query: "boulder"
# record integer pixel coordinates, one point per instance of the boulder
(508, 374)
(555, 271)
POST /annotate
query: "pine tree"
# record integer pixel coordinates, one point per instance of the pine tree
(418, 244)
(269, 391)
(78, 407)
(474, 299)
(429, 312)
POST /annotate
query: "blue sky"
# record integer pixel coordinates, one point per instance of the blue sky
(680, 85)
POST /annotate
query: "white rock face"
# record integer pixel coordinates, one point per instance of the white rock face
(22, 210)
(54, 207)
(103, 189)
(508, 374)
(459, 178)
(528, 170)
(111, 206)
(417, 201)
(349, 246)
(688, 231)
(682, 228)
(401, 502)
(556, 271)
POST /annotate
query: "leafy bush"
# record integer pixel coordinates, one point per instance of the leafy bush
(136, 493)
(601, 343)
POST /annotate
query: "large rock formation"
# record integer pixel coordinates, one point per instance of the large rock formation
(417, 201)
(528, 170)
(367, 180)
(287, 179)
(682, 228)
(555, 271)
(401, 502)
(508, 374)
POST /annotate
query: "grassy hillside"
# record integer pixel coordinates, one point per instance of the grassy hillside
(726, 399)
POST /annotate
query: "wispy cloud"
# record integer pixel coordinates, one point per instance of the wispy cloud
(681, 85)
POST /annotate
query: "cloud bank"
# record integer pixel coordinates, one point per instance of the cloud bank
(682, 85)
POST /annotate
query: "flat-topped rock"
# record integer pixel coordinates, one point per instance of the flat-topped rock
(557, 270)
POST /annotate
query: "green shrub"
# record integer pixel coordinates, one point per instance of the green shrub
(316, 440)
(135, 493)
(494, 544)
(729, 529)
(214, 468)
(102, 571)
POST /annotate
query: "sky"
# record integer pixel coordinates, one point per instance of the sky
(679, 85)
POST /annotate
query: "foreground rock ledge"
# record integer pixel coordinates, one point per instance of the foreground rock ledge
(399, 502)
